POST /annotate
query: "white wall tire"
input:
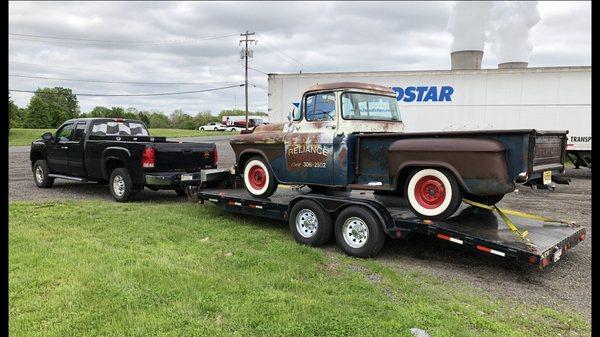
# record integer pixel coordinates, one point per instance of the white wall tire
(433, 193)
(258, 178)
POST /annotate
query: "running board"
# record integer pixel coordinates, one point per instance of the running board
(60, 176)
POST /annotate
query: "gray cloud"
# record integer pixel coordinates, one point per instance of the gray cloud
(323, 36)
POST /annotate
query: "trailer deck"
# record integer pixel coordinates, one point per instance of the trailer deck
(471, 227)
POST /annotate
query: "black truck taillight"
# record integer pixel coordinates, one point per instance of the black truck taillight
(148, 157)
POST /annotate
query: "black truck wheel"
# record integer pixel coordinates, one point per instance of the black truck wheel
(121, 186)
(40, 174)
(258, 178)
(433, 193)
(310, 224)
(358, 232)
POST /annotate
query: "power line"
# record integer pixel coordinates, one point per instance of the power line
(45, 38)
(260, 71)
(116, 82)
(132, 95)
(110, 71)
(280, 51)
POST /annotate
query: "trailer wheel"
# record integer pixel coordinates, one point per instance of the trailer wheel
(258, 178)
(310, 224)
(358, 232)
(433, 193)
(40, 174)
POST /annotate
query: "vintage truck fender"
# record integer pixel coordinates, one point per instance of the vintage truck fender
(266, 141)
(478, 164)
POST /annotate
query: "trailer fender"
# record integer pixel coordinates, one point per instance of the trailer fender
(335, 206)
(479, 165)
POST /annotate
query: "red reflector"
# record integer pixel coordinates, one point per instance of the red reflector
(444, 237)
(545, 261)
(118, 119)
(581, 237)
(532, 259)
(398, 234)
(231, 203)
(485, 249)
(148, 157)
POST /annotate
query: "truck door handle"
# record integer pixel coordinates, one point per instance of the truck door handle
(332, 127)
(64, 147)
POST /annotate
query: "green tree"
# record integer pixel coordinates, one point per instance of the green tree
(50, 107)
(181, 120)
(238, 112)
(15, 114)
(205, 117)
(157, 119)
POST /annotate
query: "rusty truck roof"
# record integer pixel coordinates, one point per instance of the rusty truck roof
(351, 85)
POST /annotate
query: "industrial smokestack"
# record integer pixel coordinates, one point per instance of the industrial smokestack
(467, 24)
(466, 59)
(512, 65)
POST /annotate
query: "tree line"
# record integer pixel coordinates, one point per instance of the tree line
(50, 107)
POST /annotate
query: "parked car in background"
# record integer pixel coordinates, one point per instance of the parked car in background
(213, 126)
(119, 152)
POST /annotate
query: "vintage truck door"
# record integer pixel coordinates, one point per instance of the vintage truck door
(309, 141)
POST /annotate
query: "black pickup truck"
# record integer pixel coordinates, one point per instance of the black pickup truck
(119, 152)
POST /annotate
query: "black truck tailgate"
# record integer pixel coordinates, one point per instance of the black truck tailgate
(174, 156)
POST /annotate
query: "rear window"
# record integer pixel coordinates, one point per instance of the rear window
(112, 128)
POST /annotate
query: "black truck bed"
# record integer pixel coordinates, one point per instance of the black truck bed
(471, 227)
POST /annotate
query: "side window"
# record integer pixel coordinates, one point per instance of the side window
(79, 132)
(347, 107)
(320, 107)
(64, 133)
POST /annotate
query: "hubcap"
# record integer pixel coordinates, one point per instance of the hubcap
(307, 223)
(355, 232)
(430, 192)
(39, 174)
(257, 177)
(119, 186)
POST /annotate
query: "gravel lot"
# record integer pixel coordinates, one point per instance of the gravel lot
(566, 285)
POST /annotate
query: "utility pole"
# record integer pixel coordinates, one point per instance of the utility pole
(245, 54)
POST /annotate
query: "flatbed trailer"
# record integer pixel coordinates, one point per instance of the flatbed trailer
(471, 227)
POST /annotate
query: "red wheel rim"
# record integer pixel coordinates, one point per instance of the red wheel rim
(430, 192)
(257, 177)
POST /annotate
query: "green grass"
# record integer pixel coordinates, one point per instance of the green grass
(18, 137)
(97, 268)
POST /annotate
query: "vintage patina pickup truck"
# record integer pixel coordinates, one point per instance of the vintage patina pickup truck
(350, 135)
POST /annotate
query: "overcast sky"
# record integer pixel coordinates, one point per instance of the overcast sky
(197, 42)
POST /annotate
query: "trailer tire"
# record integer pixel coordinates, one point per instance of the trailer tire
(40, 174)
(432, 193)
(310, 224)
(358, 232)
(258, 178)
(121, 186)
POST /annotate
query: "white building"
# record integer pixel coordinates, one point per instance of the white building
(549, 98)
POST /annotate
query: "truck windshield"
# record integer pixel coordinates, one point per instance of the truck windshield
(124, 128)
(369, 107)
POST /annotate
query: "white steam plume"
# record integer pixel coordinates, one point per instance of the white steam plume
(468, 23)
(509, 35)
